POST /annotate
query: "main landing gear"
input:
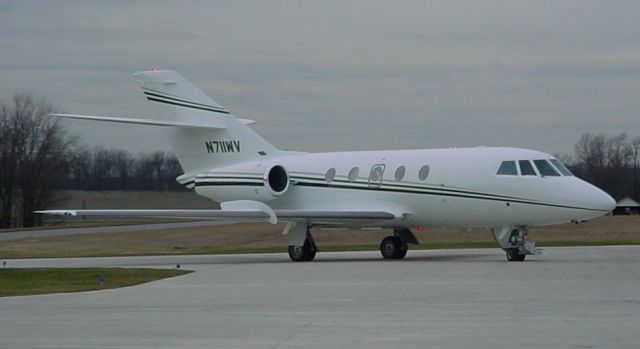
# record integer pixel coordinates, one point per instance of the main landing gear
(513, 240)
(397, 245)
(302, 248)
(304, 253)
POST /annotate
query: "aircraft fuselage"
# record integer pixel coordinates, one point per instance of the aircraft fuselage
(459, 188)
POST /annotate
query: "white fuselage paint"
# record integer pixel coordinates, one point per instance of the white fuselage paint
(462, 188)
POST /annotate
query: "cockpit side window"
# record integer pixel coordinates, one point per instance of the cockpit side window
(526, 169)
(562, 168)
(545, 168)
(508, 168)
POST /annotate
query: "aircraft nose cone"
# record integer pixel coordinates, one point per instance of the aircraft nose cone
(591, 197)
(608, 202)
(600, 200)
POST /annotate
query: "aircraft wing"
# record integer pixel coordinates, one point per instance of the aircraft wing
(232, 215)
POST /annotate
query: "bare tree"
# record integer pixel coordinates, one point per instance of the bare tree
(590, 155)
(123, 167)
(171, 170)
(115, 169)
(102, 169)
(33, 159)
(634, 153)
(617, 161)
(150, 171)
(610, 163)
(80, 169)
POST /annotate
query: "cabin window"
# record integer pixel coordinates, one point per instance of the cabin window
(375, 177)
(508, 168)
(562, 168)
(423, 173)
(400, 172)
(353, 174)
(526, 169)
(545, 168)
(330, 175)
(376, 173)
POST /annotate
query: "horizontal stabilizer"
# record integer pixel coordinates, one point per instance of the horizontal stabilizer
(199, 214)
(212, 123)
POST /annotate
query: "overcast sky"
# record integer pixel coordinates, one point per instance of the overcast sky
(325, 75)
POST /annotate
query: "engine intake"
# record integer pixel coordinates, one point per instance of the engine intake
(276, 180)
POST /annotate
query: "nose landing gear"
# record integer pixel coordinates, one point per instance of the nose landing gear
(513, 240)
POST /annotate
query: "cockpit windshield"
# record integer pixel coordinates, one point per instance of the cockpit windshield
(562, 168)
(545, 168)
(508, 168)
(526, 169)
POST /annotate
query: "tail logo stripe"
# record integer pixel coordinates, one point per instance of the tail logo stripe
(188, 106)
(155, 94)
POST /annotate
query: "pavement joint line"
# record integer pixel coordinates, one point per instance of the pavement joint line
(335, 305)
(296, 332)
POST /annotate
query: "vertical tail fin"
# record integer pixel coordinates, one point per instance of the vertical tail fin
(200, 149)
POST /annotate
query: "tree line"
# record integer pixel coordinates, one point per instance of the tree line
(38, 157)
(115, 169)
(33, 149)
(612, 163)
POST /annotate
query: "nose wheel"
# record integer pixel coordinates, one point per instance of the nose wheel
(514, 255)
(513, 241)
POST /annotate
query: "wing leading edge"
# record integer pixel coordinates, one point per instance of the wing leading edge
(231, 215)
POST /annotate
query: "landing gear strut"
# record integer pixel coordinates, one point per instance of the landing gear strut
(304, 253)
(396, 246)
(513, 240)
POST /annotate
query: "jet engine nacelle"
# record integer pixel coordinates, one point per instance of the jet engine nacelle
(253, 182)
(276, 180)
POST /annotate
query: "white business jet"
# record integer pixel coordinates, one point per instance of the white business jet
(506, 189)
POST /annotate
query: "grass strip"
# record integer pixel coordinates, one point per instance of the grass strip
(31, 281)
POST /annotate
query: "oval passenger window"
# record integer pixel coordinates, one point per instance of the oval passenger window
(400, 171)
(330, 175)
(353, 174)
(423, 173)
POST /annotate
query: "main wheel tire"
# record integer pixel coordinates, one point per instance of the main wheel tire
(392, 247)
(403, 250)
(304, 253)
(513, 255)
(296, 253)
(311, 255)
(388, 247)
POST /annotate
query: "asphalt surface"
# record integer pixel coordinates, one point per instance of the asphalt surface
(25, 234)
(587, 297)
